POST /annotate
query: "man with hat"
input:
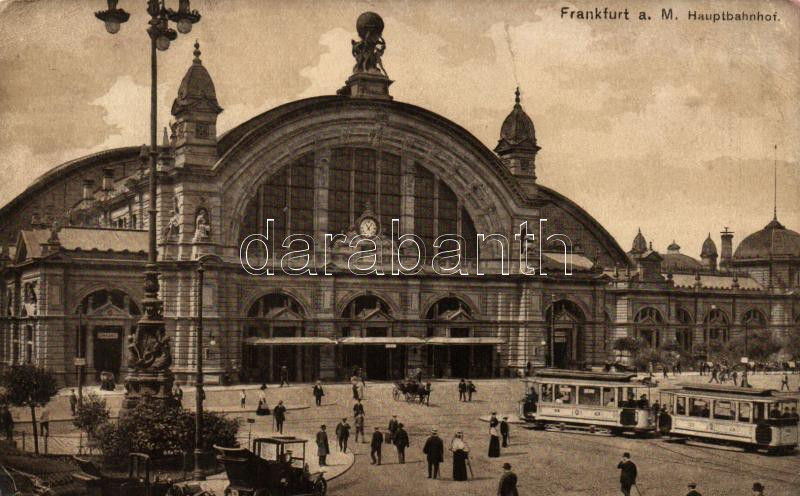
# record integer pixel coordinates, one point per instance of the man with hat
(508, 482)
(322, 445)
(401, 442)
(693, 490)
(627, 475)
(505, 432)
(758, 489)
(434, 452)
(376, 445)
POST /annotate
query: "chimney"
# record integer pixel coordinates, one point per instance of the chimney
(108, 179)
(88, 189)
(726, 252)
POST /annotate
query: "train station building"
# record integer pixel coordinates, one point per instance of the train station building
(75, 243)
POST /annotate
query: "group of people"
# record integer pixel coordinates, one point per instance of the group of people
(465, 390)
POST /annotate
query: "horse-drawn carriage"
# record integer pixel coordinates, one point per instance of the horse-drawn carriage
(270, 469)
(410, 390)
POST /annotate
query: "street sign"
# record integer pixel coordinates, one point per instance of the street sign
(391, 346)
(79, 362)
(745, 360)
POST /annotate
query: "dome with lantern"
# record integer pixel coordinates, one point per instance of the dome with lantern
(773, 241)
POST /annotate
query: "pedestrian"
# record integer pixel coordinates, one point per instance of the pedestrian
(44, 421)
(363, 375)
(785, 382)
(714, 376)
(493, 422)
(664, 371)
(359, 422)
(284, 375)
(393, 424)
(358, 408)
(470, 389)
(744, 382)
(627, 475)
(462, 390)
(434, 452)
(279, 414)
(505, 432)
(494, 442)
(73, 402)
(262, 409)
(678, 367)
(528, 368)
(322, 445)
(318, 393)
(460, 452)
(343, 434)
(7, 422)
(242, 400)
(693, 490)
(508, 482)
(178, 393)
(356, 396)
(735, 377)
(401, 442)
(375, 446)
(428, 390)
(758, 489)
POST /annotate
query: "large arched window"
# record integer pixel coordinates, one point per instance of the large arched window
(754, 319)
(275, 315)
(564, 334)
(717, 326)
(683, 334)
(648, 322)
(366, 316)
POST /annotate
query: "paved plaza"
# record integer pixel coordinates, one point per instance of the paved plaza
(547, 462)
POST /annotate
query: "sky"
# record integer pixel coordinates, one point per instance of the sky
(665, 125)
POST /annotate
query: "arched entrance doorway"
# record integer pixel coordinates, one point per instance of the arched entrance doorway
(683, 334)
(276, 336)
(366, 329)
(648, 324)
(753, 321)
(105, 318)
(565, 335)
(454, 348)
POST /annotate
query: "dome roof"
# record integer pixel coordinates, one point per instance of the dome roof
(772, 241)
(196, 87)
(674, 247)
(709, 248)
(639, 243)
(517, 132)
(678, 262)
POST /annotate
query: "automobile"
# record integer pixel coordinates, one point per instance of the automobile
(270, 468)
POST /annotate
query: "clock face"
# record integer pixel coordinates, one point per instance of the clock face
(368, 227)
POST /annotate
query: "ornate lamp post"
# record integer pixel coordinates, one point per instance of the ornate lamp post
(149, 356)
(198, 474)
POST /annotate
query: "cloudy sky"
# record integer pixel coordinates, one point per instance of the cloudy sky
(664, 125)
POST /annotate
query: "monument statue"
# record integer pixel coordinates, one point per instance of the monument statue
(202, 228)
(370, 49)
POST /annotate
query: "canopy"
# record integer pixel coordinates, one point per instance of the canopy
(464, 341)
(381, 340)
(297, 341)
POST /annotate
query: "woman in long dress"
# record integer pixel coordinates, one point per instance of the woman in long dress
(262, 408)
(460, 455)
(494, 442)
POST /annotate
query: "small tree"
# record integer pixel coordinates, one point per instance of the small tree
(31, 386)
(91, 413)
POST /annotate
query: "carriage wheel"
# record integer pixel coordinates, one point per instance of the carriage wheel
(320, 487)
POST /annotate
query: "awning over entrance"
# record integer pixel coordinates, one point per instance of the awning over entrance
(381, 340)
(465, 341)
(298, 341)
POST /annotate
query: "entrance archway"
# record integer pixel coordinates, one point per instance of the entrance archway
(565, 329)
(648, 323)
(367, 343)
(105, 317)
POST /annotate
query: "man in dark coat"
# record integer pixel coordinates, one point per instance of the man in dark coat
(322, 445)
(693, 490)
(375, 446)
(284, 376)
(73, 402)
(462, 390)
(508, 482)
(393, 424)
(343, 434)
(505, 432)
(434, 452)
(318, 393)
(279, 413)
(401, 442)
(627, 475)
(470, 389)
(358, 408)
(7, 421)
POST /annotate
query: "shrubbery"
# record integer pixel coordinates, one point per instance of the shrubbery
(90, 414)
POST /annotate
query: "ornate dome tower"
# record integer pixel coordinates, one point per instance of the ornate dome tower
(639, 244)
(517, 145)
(708, 253)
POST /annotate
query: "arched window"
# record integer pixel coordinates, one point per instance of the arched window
(683, 334)
(648, 322)
(366, 316)
(717, 326)
(452, 352)
(754, 319)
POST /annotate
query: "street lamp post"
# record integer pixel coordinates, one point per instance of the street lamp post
(553, 331)
(142, 379)
(198, 414)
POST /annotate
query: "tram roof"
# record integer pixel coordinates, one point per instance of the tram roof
(725, 391)
(586, 375)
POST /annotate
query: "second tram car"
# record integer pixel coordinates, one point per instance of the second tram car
(613, 401)
(754, 419)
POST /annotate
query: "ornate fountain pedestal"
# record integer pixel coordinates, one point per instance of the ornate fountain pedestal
(367, 85)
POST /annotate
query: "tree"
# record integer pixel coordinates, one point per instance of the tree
(91, 413)
(31, 386)
(761, 345)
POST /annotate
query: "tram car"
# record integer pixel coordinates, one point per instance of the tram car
(753, 419)
(617, 402)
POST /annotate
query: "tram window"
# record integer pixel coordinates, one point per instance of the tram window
(758, 412)
(745, 412)
(547, 393)
(698, 407)
(609, 398)
(565, 395)
(723, 410)
(680, 405)
(589, 396)
(775, 410)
